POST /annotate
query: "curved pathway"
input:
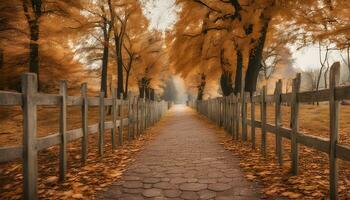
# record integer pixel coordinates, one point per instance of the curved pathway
(185, 161)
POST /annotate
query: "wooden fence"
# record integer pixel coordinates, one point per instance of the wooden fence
(231, 113)
(141, 114)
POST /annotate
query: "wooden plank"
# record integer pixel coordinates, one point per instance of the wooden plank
(318, 143)
(295, 125)
(48, 141)
(343, 152)
(257, 98)
(10, 98)
(48, 99)
(237, 117)
(342, 93)
(314, 142)
(108, 101)
(10, 153)
(129, 117)
(101, 124)
(233, 116)
(93, 128)
(74, 134)
(270, 98)
(244, 117)
(134, 110)
(263, 121)
(120, 127)
(313, 96)
(286, 132)
(137, 117)
(334, 78)
(54, 139)
(286, 98)
(93, 101)
(229, 110)
(114, 117)
(30, 162)
(252, 118)
(85, 123)
(278, 119)
(62, 130)
(108, 125)
(75, 101)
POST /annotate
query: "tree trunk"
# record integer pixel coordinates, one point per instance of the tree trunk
(238, 77)
(127, 83)
(152, 94)
(105, 59)
(1, 58)
(118, 49)
(255, 56)
(325, 76)
(141, 91)
(348, 58)
(226, 83)
(201, 87)
(32, 12)
(34, 48)
(143, 88)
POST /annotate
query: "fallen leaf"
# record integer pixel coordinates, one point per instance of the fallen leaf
(78, 196)
(291, 195)
(51, 179)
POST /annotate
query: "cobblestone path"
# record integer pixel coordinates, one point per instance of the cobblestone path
(185, 161)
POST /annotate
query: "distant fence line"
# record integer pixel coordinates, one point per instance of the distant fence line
(141, 114)
(231, 113)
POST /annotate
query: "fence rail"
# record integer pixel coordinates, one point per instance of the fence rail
(231, 113)
(141, 114)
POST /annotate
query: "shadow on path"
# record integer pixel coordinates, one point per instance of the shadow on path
(185, 161)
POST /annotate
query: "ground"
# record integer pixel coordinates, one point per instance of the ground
(185, 161)
(99, 173)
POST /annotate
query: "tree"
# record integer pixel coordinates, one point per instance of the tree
(170, 92)
(121, 13)
(195, 46)
(201, 86)
(34, 10)
(27, 25)
(311, 78)
(151, 65)
(94, 44)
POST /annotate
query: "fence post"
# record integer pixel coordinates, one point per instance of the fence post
(120, 116)
(237, 116)
(226, 113)
(30, 162)
(278, 119)
(244, 116)
(114, 117)
(252, 118)
(62, 130)
(334, 127)
(129, 119)
(134, 108)
(263, 121)
(295, 124)
(137, 116)
(141, 114)
(234, 117)
(84, 116)
(101, 123)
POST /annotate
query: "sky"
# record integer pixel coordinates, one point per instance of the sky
(161, 13)
(308, 57)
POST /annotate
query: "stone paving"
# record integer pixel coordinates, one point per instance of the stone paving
(185, 161)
